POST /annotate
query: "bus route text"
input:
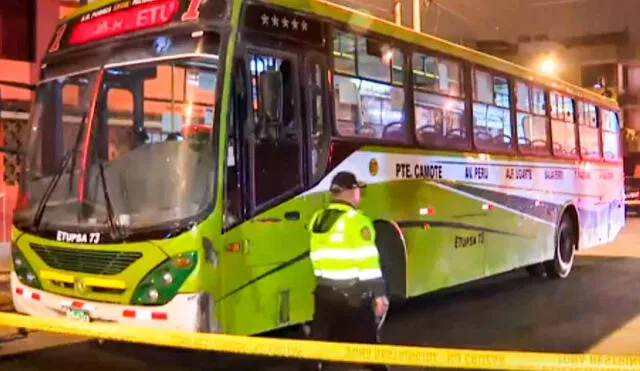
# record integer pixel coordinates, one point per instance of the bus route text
(418, 171)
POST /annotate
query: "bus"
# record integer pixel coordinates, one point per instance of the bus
(178, 148)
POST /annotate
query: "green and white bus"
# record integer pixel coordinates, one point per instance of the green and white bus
(177, 149)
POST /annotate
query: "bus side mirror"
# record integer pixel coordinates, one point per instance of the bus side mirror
(271, 104)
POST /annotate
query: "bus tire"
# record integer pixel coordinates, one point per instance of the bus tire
(564, 252)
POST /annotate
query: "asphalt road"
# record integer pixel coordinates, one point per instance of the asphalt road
(597, 309)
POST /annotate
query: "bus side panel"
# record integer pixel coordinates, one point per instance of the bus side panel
(280, 299)
(268, 277)
(442, 229)
(523, 218)
(520, 241)
(617, 211)
(599, 207)
(428, 248)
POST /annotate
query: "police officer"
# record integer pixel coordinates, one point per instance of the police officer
(350, 296)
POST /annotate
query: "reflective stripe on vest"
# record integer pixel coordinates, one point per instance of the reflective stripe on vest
(345, 254)
(349, 274)
(342, 251)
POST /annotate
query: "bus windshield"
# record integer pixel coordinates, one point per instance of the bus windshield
(145, 157)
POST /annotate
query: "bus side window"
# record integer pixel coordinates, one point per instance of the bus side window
(563, 126)
(320, 131)
(588, 130)
(610, 135)
(531, 116)
(491, 114)
(439, 102)
(369, 95)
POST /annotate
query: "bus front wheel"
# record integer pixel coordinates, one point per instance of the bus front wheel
(565, 247)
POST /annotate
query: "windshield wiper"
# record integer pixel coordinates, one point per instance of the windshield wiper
(114, 227)
(69, 157)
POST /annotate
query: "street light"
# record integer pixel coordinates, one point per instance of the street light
(549, 65)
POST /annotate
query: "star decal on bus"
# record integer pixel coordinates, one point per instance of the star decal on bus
(284, 22)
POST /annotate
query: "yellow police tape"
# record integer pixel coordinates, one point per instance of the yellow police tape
(329, 351)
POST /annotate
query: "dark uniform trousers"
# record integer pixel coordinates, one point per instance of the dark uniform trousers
(343, 316)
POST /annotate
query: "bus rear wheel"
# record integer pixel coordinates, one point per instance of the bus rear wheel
(564, 254)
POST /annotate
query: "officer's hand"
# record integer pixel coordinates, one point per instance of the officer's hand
(381, 306)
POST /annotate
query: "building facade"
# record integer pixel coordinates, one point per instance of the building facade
(26, 27)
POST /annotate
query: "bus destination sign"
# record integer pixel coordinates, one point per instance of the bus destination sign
(122, 17)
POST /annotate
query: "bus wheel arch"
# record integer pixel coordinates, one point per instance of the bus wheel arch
(393, 257)
(565, 244)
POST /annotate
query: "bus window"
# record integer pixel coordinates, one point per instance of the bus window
(563, 127)
(371, 103)
(120, 104)
(531, 119)
(374, 60)
(344, 53)
(320, 133)
(610, 134)
(75, 100)
(271, 179)
(588, 130)
(491, 114)
(439, 102)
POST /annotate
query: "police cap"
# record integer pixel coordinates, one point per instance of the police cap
(345, 180)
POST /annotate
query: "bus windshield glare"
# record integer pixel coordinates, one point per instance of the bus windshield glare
(147, 152)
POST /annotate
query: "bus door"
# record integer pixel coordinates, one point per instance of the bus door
(274, 161)
(264, 233)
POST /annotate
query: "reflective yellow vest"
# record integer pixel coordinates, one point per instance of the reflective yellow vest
(343, 247)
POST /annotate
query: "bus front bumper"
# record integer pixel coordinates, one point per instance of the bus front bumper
(186, 312)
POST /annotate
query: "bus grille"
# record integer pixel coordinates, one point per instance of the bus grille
(86, 261)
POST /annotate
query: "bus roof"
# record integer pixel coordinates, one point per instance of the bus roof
(360, 21)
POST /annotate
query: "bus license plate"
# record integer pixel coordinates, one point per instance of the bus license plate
(78, 315)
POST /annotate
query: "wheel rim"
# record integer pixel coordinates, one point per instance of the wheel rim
(565, 250)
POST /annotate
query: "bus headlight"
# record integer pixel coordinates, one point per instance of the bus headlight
(162, 284)
(23, 270)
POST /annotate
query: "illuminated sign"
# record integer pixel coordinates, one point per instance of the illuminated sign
(123, 17)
